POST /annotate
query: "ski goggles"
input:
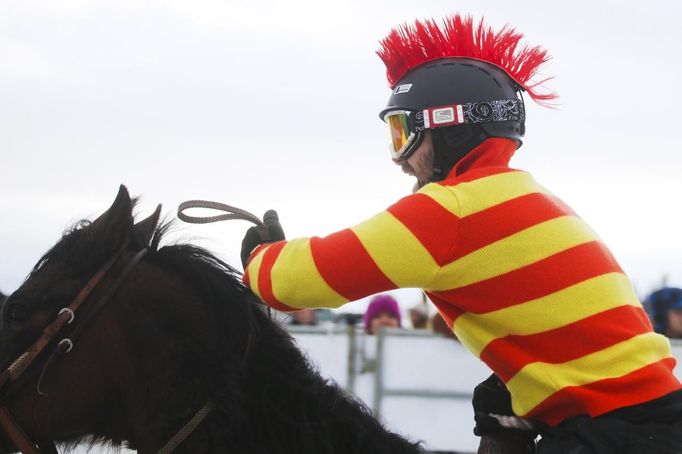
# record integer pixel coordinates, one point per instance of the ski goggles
(407, 127)
(406, 131)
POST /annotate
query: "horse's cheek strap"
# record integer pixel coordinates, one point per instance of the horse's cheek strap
(12, 429)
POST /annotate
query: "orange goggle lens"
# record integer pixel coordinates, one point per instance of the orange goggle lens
(401, 137)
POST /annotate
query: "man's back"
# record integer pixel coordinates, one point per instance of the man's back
(530, 289)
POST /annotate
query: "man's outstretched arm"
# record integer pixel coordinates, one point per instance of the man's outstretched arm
(402, 247)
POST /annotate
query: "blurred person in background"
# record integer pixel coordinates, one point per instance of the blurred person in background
(382, 312)
(310, 317)
(665, 309)
(419, 316)
(304, 317)
(440, 326)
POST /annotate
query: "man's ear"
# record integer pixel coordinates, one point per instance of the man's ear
(144, 230)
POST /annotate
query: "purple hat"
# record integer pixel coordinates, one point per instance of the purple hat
(381, 303)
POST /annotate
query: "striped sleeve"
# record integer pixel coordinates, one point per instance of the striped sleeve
(402, 247)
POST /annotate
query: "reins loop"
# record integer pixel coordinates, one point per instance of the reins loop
(231, 213)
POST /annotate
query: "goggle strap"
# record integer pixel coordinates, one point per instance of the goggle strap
(474, 112)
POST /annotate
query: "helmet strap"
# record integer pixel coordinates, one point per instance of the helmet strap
(451, 144)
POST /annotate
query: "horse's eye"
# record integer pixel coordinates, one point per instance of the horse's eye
(18, 313)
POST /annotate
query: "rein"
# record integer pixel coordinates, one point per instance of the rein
(65, 317)
(231, 213)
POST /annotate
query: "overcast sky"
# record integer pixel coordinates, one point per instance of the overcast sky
(274, 105)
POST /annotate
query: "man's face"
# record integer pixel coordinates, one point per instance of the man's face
(383, 319)
(305, 317)
(675, 323)
(420, 163)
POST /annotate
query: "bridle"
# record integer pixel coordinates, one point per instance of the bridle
(65, 317)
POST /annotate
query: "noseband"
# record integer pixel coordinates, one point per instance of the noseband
(65, 317)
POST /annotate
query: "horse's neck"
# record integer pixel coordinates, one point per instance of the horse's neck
(274, 402)
(296, 410)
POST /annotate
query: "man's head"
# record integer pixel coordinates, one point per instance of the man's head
(665, 308)
(304, 317)
(461, 83)
(383, 311)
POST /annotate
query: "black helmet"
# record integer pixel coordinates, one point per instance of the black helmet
(462, 82)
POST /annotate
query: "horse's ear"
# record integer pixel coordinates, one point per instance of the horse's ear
(144, 230)
(115, 225)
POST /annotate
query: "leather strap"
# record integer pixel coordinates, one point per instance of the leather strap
(186, 430)
(64, 318)
(12, 429)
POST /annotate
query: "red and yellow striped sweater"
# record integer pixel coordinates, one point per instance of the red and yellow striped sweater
(526, 285)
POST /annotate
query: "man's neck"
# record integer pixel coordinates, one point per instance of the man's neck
(495, 151)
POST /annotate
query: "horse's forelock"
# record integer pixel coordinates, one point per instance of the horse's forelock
(84, 245)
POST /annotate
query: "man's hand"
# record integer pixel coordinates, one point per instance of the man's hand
(269, 232)
(500, 429)
(491, 397)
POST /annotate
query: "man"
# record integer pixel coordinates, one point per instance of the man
(524, 283)
(304, 317)
(665, 308)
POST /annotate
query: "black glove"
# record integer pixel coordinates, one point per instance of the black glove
(270, 231)
(490, 397)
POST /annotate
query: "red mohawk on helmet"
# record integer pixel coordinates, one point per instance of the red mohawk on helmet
(409, 46)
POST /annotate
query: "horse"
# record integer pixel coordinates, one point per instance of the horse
(167, 352)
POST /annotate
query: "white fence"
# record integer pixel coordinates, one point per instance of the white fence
(419, 383)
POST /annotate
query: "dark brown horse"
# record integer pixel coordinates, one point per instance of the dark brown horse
(179, 332)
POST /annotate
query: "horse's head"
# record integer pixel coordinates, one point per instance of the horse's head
(135, 351)
(73, 382)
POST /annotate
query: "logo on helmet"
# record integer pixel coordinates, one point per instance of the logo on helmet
(402, 89)
(445, 115)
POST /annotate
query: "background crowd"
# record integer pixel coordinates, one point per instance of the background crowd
(664, 307)
(383, 311)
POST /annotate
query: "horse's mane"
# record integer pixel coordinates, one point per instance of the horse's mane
(83, 251)
(74, 246)
(219, 283)
(276, 364)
